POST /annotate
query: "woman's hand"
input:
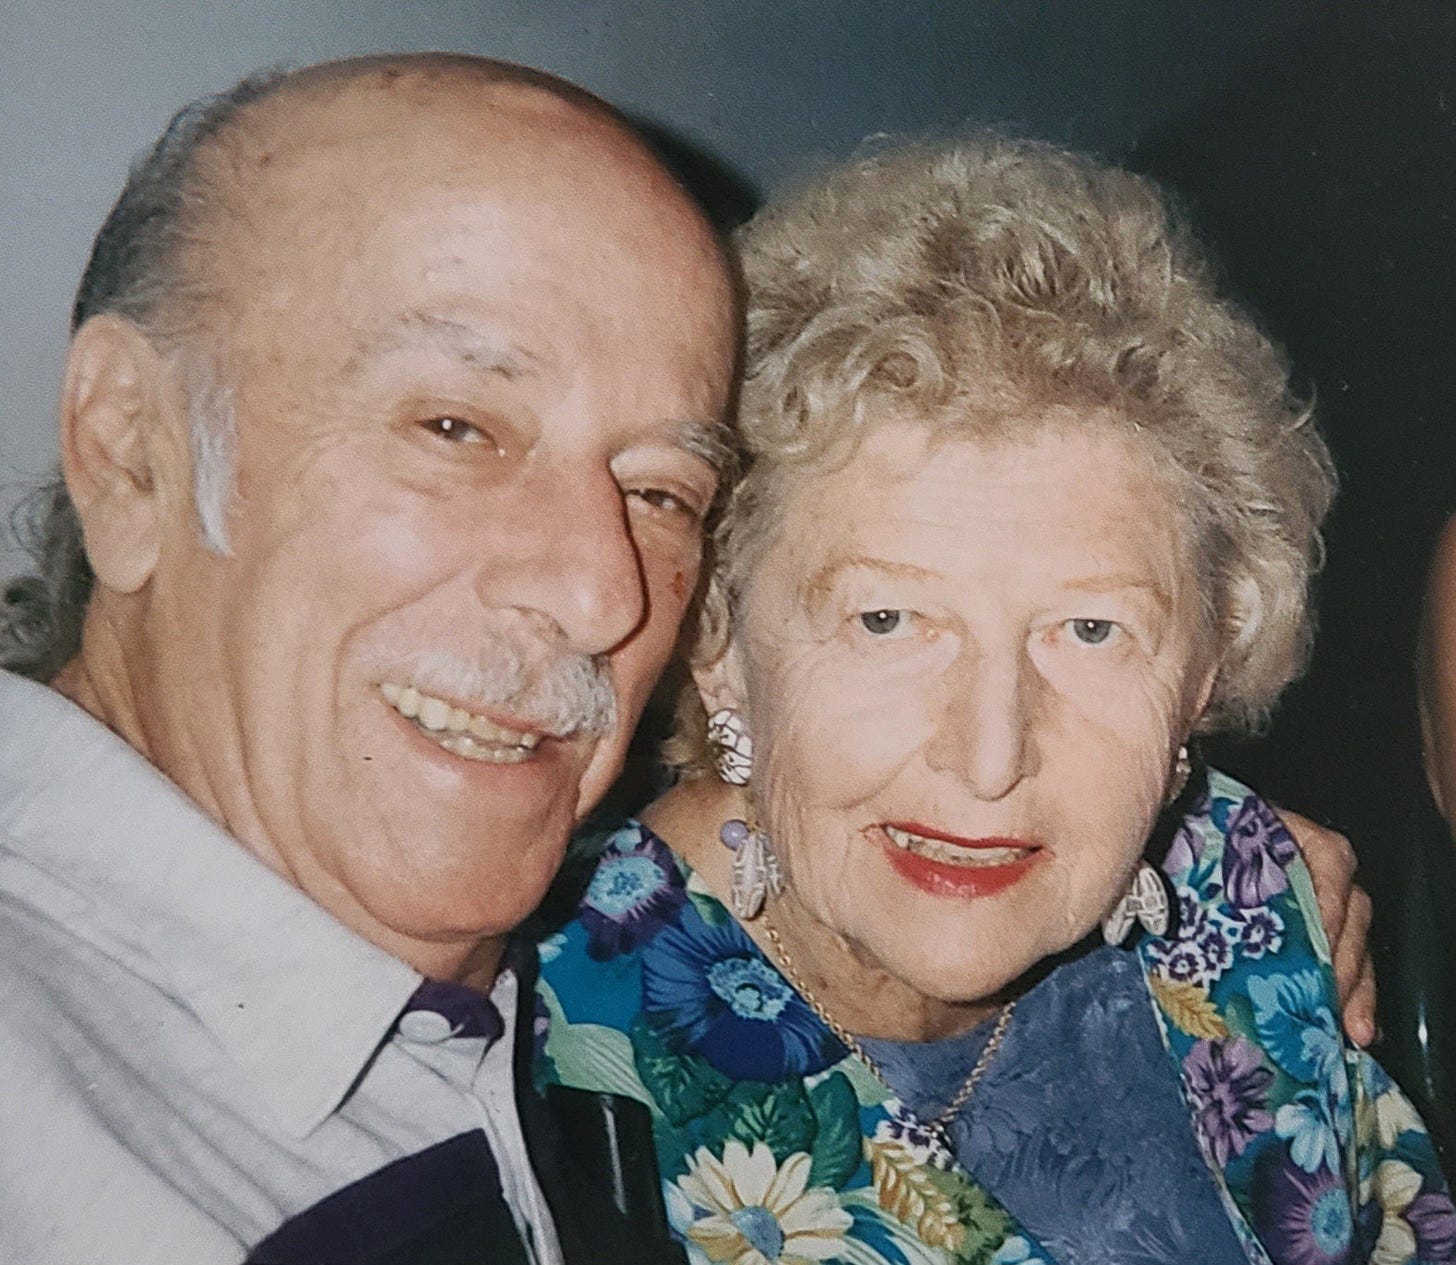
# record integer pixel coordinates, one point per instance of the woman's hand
(1345, 911)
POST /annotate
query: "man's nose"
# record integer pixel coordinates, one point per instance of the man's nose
(986, 736)
(580, 571)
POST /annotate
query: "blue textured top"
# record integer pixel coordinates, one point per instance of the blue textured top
(1076, 1124)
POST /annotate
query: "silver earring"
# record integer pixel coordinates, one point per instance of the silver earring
(1145, 901)
(733, 748)
(756, 871)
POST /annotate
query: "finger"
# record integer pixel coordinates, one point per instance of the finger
(1352, 950)
(1331, 861)
(1360, 1009)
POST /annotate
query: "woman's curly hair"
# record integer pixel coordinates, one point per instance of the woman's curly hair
(977, 285)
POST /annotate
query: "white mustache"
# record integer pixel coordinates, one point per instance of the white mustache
(560, 694)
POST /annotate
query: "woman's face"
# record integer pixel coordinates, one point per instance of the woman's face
(967, 667)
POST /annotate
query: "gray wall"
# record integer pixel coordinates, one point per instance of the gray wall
(766, 85)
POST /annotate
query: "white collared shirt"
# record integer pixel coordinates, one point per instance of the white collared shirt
(191, 1050)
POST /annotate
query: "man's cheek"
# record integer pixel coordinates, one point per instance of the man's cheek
(412, 551)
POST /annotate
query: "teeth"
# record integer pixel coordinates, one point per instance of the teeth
(434, 712)
(460, 732)
(464, 745)
(950, 853)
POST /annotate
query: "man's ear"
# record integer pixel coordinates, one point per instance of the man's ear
(721, 682)
(114, 400)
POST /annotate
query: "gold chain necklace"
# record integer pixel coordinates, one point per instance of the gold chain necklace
(941, 1123)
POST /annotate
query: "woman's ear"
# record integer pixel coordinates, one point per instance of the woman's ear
(721, 683)
(1205, 692)
(111, 411)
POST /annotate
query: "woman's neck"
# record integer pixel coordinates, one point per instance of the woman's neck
(847, 982)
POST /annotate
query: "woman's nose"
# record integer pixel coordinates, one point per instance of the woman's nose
(986, 737)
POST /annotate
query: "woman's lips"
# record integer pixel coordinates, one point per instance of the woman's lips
(950, 865)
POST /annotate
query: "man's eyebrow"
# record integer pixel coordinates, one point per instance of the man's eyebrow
(471, 346)
(819, 586)
(713, 442)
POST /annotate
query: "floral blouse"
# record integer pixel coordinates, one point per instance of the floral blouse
(777, 1145)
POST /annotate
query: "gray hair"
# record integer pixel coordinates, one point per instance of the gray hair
(976, 284)
(138, 270)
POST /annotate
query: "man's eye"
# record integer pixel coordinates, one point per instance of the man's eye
(883, 623)
(668, 502)
(454, 430)
(1091, 632)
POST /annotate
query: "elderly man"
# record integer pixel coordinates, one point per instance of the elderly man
(390, 420)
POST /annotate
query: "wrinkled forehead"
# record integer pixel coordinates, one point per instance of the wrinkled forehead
(312, 178)
(1091, 478)
(378, 201)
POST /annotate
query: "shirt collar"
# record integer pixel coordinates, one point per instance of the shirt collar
(299, 1001)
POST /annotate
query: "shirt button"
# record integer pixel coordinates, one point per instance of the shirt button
(429, 1027)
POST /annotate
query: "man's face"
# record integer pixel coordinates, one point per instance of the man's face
(470, 341)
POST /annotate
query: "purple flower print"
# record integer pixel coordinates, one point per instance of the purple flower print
(1184, 852)
(1302, 1218)
(1182, 962)
(634, 892)
(1214, 943)
(1254, 858)
(1260, 931)
(1203, 948)
(1433, 1221)
(1227, 1082)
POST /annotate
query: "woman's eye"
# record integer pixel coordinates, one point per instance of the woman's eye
(454, 430)
(883, 623)
(1091, 632)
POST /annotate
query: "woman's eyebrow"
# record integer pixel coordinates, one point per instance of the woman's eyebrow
(820, 585)
(1139, 584)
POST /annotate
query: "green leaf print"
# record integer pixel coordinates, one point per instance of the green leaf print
(682, 1085)
(776, 1114)
(986, 1224)
(838, 1146)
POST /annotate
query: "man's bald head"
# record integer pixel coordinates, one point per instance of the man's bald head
(178, 192)
(151, 264)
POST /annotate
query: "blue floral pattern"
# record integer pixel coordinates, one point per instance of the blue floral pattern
(707, 990)
(776, 1144)
(635, 891)
(1318, 1152)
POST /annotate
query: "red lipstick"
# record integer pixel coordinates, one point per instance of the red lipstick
(959, 882)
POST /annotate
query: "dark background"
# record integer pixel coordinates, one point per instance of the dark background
(1326, 175)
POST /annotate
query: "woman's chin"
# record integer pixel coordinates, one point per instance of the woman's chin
(962, 985)
(977, 978)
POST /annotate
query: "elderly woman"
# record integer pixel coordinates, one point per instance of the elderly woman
(1027, 507)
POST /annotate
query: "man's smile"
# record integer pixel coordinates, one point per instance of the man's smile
(460, 732)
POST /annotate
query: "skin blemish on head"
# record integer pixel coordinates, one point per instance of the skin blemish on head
(679, 585)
